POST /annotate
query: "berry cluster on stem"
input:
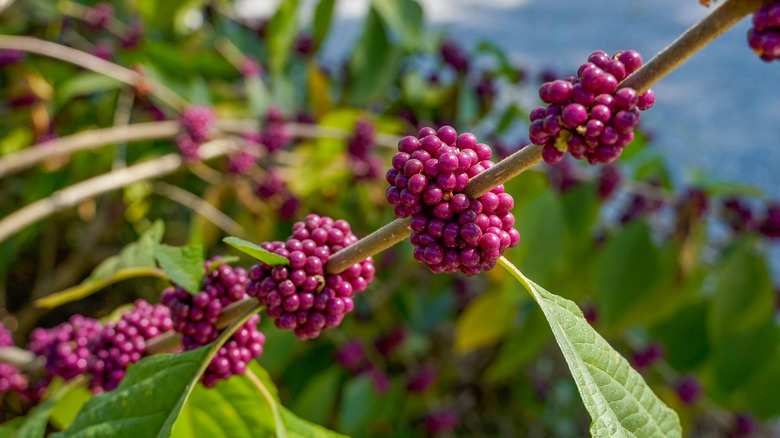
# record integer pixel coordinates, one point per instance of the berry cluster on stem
(197, 124)
(588, 115)
(301, 296)
(195, 318)
(450, 231)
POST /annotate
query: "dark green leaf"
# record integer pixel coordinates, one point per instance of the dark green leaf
(357, 403)
(684, 352)
(405, 19)
(35, 423)
(322, 17)
(628, 270)
(375, 62)
(150, 397)
(83, 84)
(183, 265)
(617, 398)
(318, 397)
(255, 251)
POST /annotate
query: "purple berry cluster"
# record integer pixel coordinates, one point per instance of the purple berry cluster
(365, 164)
(301, 296)
(195, 318)
(454, 55)
(588, 115)
(197, 123)
(67, 347)
(450, 232)
(133, 35)
(10, 377)
(100, 16)
(103, 50)
(241, 162)
(124, 342)
(10, 57)
(764, 36)
(274, 134)
(274, 187)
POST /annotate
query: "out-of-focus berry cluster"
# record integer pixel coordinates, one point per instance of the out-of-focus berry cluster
(197, 124)
(364, 162)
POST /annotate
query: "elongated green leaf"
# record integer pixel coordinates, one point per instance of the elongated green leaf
(405, 19)
(135, 260)
(300, 428)
(374, 63)
(281, 33)
(83, 84)
(151, 396)
(9, 428)
(183, 265)
(617, 398)
(34, 425)
(255, 251)
(322, 17)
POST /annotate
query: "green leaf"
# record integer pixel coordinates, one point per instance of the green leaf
(318, 397)
(628, 271)
(83, 84)
(183, 264)
(9, 428)
(281, 33)
(472, 330)
(744, 297)
(151, 396)
(322, 17)
(357, 403)
(521, 347)
(405, 19)
(135, 260)
(35, 423)
(685, 352)
(617, 398)
(68, 406)
(231, 409)
(255, 251)
(300, 428)
(760, 395)
(468, 103)
(375, 63)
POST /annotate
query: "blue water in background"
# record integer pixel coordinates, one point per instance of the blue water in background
(718, 113)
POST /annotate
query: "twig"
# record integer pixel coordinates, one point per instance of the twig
(90, 62)
(20, 358)
(690, 42)
(95, 138)
(99, 185)
(201, 207)
(87, 140)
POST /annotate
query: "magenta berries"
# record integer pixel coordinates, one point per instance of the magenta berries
(365, 164)
(195, 317)
(10, 377)
(197, 124)
(588, 115)
(301, 296)
(764, 36)
(67, 347)
(124, 342)
(100, 16)
(450, 232)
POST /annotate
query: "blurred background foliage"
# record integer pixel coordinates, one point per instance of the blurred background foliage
(676, 278)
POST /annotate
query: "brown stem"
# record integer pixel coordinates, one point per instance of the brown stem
(90, 62)
(72, 195)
